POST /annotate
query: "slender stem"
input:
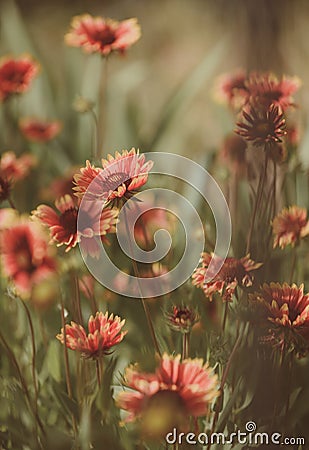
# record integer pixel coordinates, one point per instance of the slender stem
(66, 365)
(66, 357)
(12, 204)
(226, 308)
(95, 155)
(137, 275)
(224, 378)
(33, 362)
(22, 382)
(77, 299)
(257, 201)
(94, 306)
(102, 106)
(293, 265)
(185, 345)
(98, 371)
(275, 189)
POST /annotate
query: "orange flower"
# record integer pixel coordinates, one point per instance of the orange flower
(234, 272)
(174, 392)
(16, 75)
(104, 333)
(101, 35)
(289, 226)
(26, 257)
(64, 227)
(120, 177)
(287, 310)
(37, 130)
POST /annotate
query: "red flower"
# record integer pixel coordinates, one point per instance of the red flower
(266, 89)
(16, 75)
(26, 256)
(104, 333)
(37, 130)
(231, 88)
(262, 127)
(121, 177)
(234, 272)
(287, 310)
(13, 169)
(289, 226)
(101, 35)
(64, 226)
(174, 392)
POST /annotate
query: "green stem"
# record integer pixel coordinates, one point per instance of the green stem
(293, 265)
(33, 362)
(258, 198)
(226, 307)
(66, 365)
(185, 345)
(98, 371)
(23, 383)
(224, 378)
(102, 107)
(137, 275)
(95, 145)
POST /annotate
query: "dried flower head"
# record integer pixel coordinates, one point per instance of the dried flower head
(262, 126)
(182, 318)
(104, 332)
(233, 272)
(102, 35)
(289, 226)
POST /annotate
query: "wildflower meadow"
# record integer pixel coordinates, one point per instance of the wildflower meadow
(154, 225)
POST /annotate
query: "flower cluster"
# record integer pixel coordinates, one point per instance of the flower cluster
(223, 276)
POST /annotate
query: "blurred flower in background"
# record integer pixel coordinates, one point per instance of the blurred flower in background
(16, 75)
(101, 35)
(38, 130)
